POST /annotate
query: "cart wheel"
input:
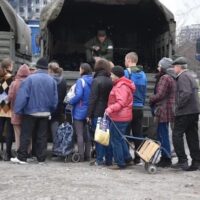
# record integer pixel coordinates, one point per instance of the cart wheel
(152, 169)
(76, 157)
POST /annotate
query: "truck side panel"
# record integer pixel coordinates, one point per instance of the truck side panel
(7, 44)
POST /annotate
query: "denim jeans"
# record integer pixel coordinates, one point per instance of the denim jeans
(120, 147)
(102, 151)
(163, 138)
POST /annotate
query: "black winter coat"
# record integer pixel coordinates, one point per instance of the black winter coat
(100, 90)
(58, 114)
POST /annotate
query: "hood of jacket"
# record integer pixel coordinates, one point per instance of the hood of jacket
(171, 72)
(88, 79)
(58, 78)
(23, 72)
(124, 81)
(137, 70)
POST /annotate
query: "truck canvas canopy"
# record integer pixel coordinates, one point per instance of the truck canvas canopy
(12, 24)
(144, 26)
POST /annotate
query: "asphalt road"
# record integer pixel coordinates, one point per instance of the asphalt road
(63, 181)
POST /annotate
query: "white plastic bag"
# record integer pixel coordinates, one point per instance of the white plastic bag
(102, 132)
(71, 92)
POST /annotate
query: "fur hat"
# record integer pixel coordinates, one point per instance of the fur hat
(118, 71)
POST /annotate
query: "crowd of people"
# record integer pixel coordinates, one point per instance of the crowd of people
(32, 102)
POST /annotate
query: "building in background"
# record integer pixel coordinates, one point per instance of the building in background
(29, 9)
(188, 33)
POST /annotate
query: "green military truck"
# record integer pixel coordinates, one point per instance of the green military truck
(144, 26)
(15, 36)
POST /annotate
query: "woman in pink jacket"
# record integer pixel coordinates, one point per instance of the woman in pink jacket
(22, 73)
(119, 111)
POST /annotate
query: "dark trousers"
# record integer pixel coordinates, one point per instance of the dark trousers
(187, 124)
(38, 127)
(83, 139)
(136, 127)
(6, 122)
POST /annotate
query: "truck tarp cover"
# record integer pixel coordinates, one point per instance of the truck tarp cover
(10, 21)
(145, 26)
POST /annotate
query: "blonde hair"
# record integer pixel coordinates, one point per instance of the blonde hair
(55, 68)
(132, 56)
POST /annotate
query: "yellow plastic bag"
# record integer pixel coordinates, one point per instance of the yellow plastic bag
(102, 134)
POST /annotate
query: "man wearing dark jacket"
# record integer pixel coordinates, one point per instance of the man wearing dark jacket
(99, 47)
(187, 110)
(36, 100)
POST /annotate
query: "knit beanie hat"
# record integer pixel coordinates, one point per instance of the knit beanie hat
(42, 63)
(118, 71)
(165, 63)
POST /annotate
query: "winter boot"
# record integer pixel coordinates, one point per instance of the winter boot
(164, 162)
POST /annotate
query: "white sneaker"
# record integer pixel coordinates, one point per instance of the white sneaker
(16, 160)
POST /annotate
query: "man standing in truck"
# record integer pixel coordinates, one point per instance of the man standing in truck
(136, 74)
(99, 47)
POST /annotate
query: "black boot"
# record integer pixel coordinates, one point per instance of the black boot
(194, 166)
(7, 156)
(181, 165)
(164, 162)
